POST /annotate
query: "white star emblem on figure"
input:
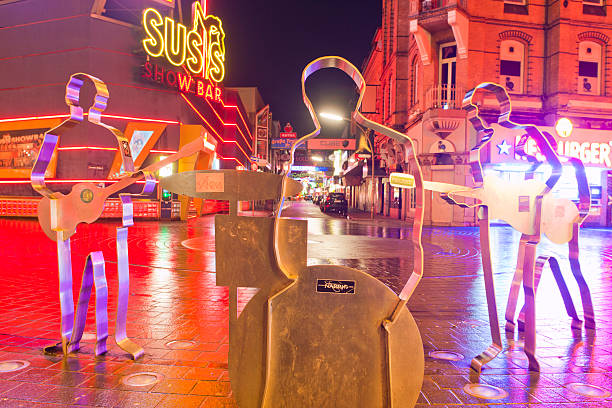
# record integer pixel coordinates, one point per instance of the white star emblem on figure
(504, 147)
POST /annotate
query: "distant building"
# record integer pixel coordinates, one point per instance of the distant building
(553, 60)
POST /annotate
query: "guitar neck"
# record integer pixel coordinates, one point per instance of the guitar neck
(447, 188)
(185, 151)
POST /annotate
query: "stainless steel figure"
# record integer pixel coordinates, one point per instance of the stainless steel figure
(59, 214)
(312, 336)
(530, 209)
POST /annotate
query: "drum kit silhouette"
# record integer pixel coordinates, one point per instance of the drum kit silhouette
(321, 335)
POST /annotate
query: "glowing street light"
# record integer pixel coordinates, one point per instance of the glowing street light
(331, 116)
(564, 127)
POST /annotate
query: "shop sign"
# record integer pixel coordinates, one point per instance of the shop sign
(288, 132)
(184, 82)
(281, 143)
(201, 49)
(594, 153)
(331, 144)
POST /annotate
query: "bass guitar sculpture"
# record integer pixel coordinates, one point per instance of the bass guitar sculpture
(312, 336)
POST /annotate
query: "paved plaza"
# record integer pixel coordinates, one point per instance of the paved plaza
(180, 317)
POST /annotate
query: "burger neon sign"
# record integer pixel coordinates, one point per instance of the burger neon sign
(201, 50)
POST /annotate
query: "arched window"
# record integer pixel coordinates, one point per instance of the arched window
(589, 68)
(414, 81)
(512, 66)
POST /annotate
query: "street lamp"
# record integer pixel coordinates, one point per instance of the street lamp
(332, 116)
(564, 127)
(338, 118)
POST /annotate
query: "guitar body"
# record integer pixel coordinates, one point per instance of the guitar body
(514, 203)
(328, 348)
(84, 203)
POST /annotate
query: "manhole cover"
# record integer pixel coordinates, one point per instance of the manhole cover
(141, 379)
(588, 390)
(9, 366)
(180, 344)
(484, 391)
(446, 355)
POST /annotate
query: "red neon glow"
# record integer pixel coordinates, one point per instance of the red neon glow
(33, 118)
(229, 124)
(213, 129)
(164, 151)
(27, 181)
(172, 122)
(86, 148)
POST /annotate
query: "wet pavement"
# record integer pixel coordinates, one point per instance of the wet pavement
(180, 317)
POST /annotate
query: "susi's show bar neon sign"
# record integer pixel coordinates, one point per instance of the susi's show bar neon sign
(201, 50)
(184, 82)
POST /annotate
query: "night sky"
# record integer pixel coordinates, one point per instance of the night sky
(269, 43)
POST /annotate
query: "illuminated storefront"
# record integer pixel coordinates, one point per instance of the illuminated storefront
(165, 83)
(592, 146)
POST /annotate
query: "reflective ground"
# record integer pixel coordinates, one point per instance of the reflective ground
(174, 298)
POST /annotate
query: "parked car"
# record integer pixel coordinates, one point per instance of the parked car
(335, 203)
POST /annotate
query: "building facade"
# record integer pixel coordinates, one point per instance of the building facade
(553, 58)
(161, 97)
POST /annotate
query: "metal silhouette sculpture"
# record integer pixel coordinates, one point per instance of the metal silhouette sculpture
(529, 208)
(59, 214)
(312, 336)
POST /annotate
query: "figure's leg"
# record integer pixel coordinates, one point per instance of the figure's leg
(93, 274)
(64, 264)
(529, 289)
(541, 261)
(565, 294)
(585, 293)
(485, 247)
(123, 293)
(515, 287)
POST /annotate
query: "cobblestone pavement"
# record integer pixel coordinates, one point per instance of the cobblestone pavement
(174, 297)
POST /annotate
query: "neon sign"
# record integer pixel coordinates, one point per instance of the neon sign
(201, 50)
(588, 152)
(182, 81)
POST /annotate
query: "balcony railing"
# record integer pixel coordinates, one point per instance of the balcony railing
(444, 97)
(425, 6)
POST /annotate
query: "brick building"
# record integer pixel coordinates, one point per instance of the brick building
(552, 57)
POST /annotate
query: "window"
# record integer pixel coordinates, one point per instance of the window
(589, 68)
(512, 65)
(414, 83)
(593, 2)
(447, 75)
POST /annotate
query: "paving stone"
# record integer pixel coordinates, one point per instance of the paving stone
(174, 297)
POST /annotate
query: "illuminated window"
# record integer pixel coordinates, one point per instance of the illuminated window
(593, 2)
(589, 68)
(512, 65)
(521, 2)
